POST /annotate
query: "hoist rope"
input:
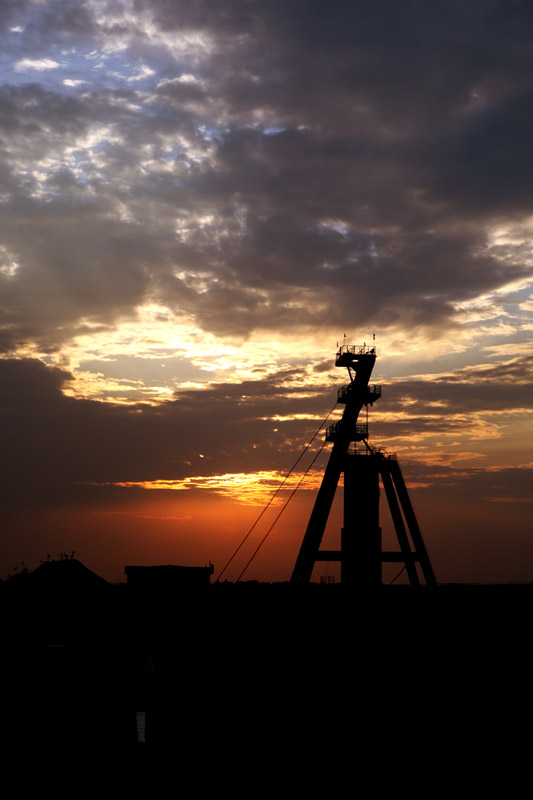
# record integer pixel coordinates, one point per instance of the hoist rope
(398, 575)
(281, 512)
(280, 487)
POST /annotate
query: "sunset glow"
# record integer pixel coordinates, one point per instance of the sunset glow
(253, 488)
(200, 203)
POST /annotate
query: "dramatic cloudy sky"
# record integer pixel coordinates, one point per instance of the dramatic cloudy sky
(199, 200)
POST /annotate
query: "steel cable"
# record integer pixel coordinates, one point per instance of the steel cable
(280, 487)
(281, 512)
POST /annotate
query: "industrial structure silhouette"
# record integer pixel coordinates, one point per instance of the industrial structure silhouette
(361, 555)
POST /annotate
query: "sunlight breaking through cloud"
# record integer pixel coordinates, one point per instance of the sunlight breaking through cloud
(248, 488)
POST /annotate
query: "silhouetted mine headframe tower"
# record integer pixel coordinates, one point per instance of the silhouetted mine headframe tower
(361, 555)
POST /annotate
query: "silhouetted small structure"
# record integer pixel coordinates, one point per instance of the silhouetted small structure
(167, 578)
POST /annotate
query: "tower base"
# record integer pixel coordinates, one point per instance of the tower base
(361, 554)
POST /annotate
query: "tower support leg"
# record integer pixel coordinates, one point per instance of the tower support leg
(319, 516)
(399, 526)
(412, 524)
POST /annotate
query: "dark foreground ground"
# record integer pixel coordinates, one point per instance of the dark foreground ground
(231, 669)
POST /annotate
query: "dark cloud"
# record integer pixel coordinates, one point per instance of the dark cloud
(11, 10)
(54, 445)
(505, 386)
(408, 124)
(56, 22)
(485, 162)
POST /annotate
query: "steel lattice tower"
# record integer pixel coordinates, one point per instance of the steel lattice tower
(361, 555)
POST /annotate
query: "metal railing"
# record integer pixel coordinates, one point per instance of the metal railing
(357, 350)
(372, 389)
(356, 432)
(376, 451)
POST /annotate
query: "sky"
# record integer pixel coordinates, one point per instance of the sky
(200, 200)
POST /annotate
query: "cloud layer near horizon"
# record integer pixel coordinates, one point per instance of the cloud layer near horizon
(57, 448)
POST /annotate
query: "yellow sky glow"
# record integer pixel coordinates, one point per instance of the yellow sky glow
(254, 488)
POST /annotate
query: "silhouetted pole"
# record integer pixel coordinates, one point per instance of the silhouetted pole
(361, 535)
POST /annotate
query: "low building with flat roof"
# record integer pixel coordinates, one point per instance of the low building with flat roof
(167, 577)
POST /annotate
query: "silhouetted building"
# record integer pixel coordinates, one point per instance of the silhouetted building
(167, 578)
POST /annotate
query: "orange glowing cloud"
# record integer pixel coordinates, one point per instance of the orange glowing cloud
(249, 488)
